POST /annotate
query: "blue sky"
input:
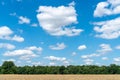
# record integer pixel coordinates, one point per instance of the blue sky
(60, 32)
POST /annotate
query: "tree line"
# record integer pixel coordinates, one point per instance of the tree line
(8, 67)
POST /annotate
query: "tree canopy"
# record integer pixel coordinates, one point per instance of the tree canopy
(8, 67)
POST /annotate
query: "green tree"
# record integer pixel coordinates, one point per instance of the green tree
(61, 69)
(8, 67)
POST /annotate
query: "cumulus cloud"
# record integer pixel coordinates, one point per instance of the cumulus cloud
(108, 29)
(82, 47)
(104, 48)
(17, 38)
(24, 54)
(109, 7)
(23, 20)
(7, 46)
(57, 21)
(6, 32)
(58, 46)
(54, 59)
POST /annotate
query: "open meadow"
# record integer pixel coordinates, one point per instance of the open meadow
(59, 77)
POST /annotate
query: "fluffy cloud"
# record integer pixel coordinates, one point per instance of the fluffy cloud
(104, 48)
(17, 38)
(82, 47)
(23, 20)
(58, 46)
(24, 54)
(108, 29)
(7, 46)
(57, 20)
(6, 32)
(109, 7)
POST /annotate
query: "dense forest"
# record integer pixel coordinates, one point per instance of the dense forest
(8, 67)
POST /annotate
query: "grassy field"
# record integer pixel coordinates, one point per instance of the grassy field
(59, 77)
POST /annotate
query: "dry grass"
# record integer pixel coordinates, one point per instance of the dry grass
(59, 77)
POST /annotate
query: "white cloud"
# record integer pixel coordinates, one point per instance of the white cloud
(109, 7)
(74, 53)
(104, 58)
(60, 60)
(17, 38)
(88, 61)
(104, 48)
(52, 63)
(82, 47)
(116, 60)
(53, 58)
(57, 21)
(24, 20)
(7, 46)
(24, 54)
(13, 14)
(34, 48)
(36, 63)
(118, 47)
(6, 32)
(90, 55)
(108, 29)
(34, 25)
(58, 46)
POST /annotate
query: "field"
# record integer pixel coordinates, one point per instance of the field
(59, 77)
